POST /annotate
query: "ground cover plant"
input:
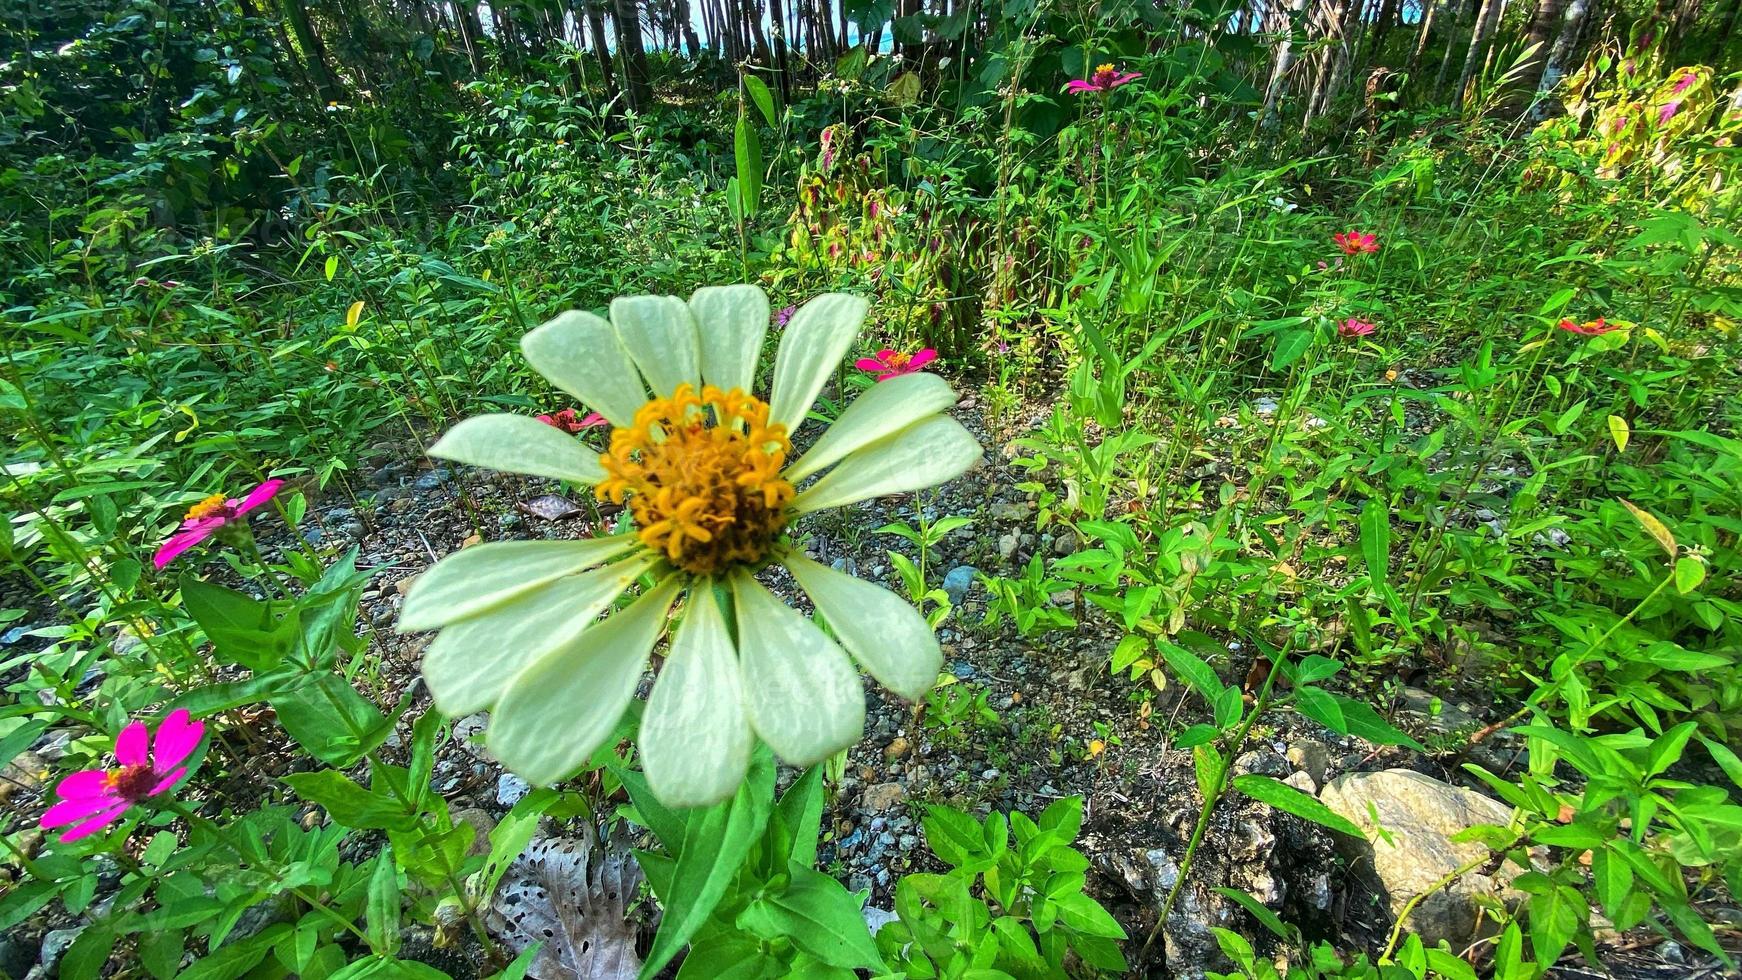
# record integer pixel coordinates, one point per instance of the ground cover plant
(907, 490)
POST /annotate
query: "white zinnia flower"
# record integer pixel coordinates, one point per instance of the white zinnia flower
(702, 467)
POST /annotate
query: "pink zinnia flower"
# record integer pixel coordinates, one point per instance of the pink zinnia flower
(1355, 242)
(568, 421)
(92, 799)
(889, 363)
(1588, 329)
(1354, 328)
(206, 517)
(1105, 79)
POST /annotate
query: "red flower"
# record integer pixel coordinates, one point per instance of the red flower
(1589, 329)
(567, 421)
(205, 518)
(1355, 242)
(1354, 328)
(148, 766)
(889, 363)
(1105, 79)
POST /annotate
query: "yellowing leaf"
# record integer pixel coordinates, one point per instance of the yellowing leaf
(1619, 430)
(1653, 527)
(193, 424)
(353, 314)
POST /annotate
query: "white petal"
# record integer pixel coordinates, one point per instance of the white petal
(580, 353)
(660, 335)
(925, 454)
(887, 408)
(811, 347)
(564, 704)
(695, 736)
(730, 324)
(519, 444)
(472, 662)
(804, 696)
(473, 580)
(887, 636)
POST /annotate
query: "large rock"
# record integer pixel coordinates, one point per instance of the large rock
(1419, 815)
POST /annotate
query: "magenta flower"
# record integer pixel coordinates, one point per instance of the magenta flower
(1588, 329)
(1355, 242)
(783, 316)
(1354, 328)
(1105, 79)
(92, 799)
(205, 518)
(889, 363)
(568, 421)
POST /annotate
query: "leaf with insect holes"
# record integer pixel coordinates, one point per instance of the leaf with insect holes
(1653, 526)
(550, 507)
(1619, 431)
(569, 895)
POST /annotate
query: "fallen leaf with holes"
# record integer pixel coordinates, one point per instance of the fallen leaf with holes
(551, 507)
(569, 894)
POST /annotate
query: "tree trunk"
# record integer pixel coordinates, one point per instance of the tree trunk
(314, 52)
(1267, 117)
(1382, 25)
(1428, 16)
(1336, 61)
(595, 14)
(634, 57)
(777, 27)
(1489, 13)
(1464, 9)
(1566, 43)
(1543, 30)
(691, 43)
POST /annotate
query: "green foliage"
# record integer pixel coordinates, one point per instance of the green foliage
(1012, 904)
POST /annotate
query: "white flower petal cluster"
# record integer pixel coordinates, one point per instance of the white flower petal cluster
(521, 632)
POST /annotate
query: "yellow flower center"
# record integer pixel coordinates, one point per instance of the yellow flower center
(206, 507)
(701, 474)
(1104, 69)
(898, 360)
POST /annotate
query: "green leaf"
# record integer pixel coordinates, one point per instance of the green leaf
(1085, 915)
(1689, 573)
(801, 810)
(747, 148)
(952, 835)
(1322, 708)
(243, 630)
(510, 836)
(1290, 345)
(1186, 666)
(85, 958)
(1065, 816)
(1286, 798)
(716, 842)
(382, 915)
(1725, 758)
(1265, 916)
(760, 95)
(1376, 541)
(1366, 723)
(823, 919)
(729, 957)
(331, 720)
(349, 803)
(160, 952)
